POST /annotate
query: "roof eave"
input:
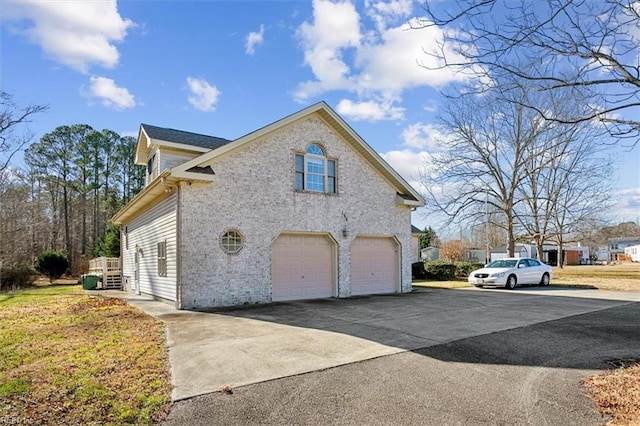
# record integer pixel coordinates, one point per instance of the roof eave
(160, 186)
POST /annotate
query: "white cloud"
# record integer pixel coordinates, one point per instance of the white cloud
(369, 110)
(253, 39)
(384, 13)
(627, 206)
(423, 136)
(109, 94)
(335, 27)
(409, 164)
(203, 95)
(379, 64)
(75, 33)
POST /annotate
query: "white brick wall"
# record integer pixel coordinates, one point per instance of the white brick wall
(253, 191)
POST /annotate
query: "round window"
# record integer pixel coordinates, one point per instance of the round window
(231, 241)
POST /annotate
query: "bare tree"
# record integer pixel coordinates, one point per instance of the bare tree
(483, 165)
(453, 251)
(588, 48)
(565, 158)
(12, 117)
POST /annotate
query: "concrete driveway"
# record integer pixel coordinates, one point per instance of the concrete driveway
(239, 347)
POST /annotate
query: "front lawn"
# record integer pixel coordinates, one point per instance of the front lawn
(67, 358)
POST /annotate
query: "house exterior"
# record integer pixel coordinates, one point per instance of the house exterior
(572, 255)
(430, 254)
(300, 209)
(632, 253)
(415, 243)
(617, 246)
(520, 250)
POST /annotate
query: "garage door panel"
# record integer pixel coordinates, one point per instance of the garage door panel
(374, 266)
(302, 267)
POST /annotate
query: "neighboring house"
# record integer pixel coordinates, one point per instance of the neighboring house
(475, 255)
(300, 209)
(572, 255)
(616, 246)
(521, 250)
(632, 253)
(415, 243)
(430, 254)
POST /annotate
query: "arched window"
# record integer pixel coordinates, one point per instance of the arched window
(314, 171)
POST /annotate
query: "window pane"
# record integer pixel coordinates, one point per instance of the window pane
(231, 242)
(299, 163)
(315, 165)
(299, 180)
(315, 183)
(331, 168)
(331, 185)
(315, 149)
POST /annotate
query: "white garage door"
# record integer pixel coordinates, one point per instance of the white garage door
(374, 266)
(302, 267)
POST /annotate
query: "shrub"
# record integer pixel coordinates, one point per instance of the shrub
(417, 271)
(463, 269)
(17, 277)
(439, 270)
(52, 263)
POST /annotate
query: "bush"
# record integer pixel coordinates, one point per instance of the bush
(463, 269)
(439, 270)
(417, 271)
(17, 277)
(52, 263)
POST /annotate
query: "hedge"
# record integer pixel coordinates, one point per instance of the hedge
(463, 269)
(17, 277)
(440, 270)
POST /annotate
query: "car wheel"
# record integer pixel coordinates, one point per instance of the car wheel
(479, 286)
(511, 282)
(545, 280)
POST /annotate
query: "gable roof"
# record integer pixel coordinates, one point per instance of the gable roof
(197, 169)
(175, 139)
(406, 195)
(182, 137)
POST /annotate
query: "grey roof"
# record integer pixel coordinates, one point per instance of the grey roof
(623, 239)
(416, 230)
(186, 138)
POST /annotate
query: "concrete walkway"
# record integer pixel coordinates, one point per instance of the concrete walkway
(208, 351)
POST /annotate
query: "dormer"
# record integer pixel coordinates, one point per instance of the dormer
(160, 148)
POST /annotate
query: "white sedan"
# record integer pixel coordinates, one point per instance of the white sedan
(511, 272)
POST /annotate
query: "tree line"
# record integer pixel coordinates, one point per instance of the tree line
(73, 180)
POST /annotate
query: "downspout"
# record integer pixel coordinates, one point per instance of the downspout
(178, 303)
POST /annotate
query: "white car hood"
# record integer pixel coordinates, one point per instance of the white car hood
(490, 271)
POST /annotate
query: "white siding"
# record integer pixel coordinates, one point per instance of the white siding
(145, 232)
(172, 159)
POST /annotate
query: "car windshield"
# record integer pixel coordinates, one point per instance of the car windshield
(504, 263)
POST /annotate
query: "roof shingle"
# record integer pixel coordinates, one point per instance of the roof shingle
(182, 137)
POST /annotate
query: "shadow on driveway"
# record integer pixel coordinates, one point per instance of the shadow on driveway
(426, 320)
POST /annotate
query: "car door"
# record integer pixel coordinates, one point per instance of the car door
(536, 270)
(523, 271)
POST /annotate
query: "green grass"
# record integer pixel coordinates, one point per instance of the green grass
(66, 358)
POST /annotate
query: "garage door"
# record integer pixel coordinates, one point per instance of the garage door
(374, 266)
(302, 267)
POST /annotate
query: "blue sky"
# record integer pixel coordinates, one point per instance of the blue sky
(226, 68)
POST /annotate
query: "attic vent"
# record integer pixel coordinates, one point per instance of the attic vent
(207, 170)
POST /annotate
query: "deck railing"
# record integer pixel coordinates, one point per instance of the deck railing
(109, 269)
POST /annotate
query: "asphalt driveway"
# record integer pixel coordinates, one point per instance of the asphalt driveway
(430, 357)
